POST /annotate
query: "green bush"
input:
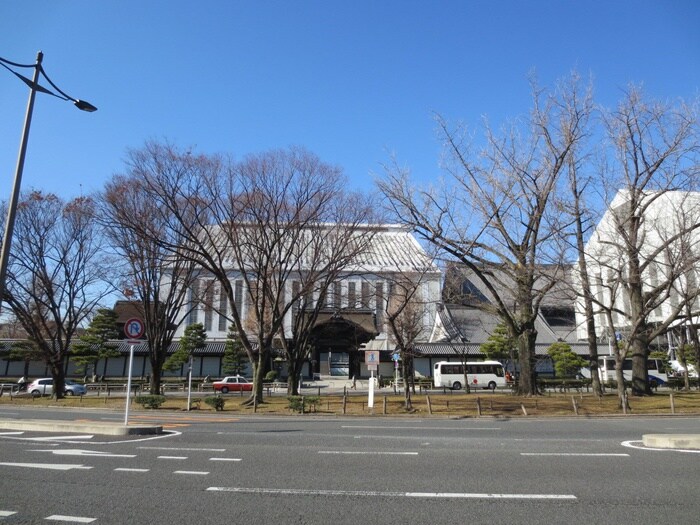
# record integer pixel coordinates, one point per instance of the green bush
(271, 376)
(216, 402)
(150, 401)
(302, 403)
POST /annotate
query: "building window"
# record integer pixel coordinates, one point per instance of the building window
(379, 303)
(337, 295)
(223, 310)
(352, 296)
(365, 298)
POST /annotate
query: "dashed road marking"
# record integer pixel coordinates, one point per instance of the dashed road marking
(185, 449)
(225, 459)
(172, 457)
(124, 469)
(48, 466)
(70, 519)
(6, 513)
(369, 493)
(585, 454)
(191, 472)
(367, 453)
(60, 438)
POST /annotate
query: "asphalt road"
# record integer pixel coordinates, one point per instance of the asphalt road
(303, 470)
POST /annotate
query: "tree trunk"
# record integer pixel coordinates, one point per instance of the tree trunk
(527, 383)
(408, 405)
(59, 379)
(640, 374)
(293, 377)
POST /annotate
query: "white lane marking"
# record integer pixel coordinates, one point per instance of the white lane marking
(640, 445)
(367, 453)
(91, 453)
(191, 472)
(5, 513)
(379, 427)
(11, 433)
(60, 438)
(186, 449)
(172, 457)
(124, 469)
(573, 454)
(225, 459)
(48, 466)
(369, 493)
(71, 519)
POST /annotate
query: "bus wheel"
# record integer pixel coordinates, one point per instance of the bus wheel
(456, 385)
(492, 386)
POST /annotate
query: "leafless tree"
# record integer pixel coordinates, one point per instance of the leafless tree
(246, 221)
(493, 212)
(155, 279)
(653, 162)
(57, 274)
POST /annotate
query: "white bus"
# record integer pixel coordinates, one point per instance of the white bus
(656, 370)
(482, 374)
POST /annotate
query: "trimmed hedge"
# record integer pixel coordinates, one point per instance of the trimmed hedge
(150, 401)
(216, 402)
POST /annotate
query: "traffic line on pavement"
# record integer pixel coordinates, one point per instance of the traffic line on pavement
(91, 453)
(586, 454)
(380, 427)
(225, 459)
(172, 457)
(70, 519)
(6, 513)
(48, 466)
(370, 493)
(367, 453)
(58, 438)
(11, 433)
(185, 449)
(124, 469)
(191, 472)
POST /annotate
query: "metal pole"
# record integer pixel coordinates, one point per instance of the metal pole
(14, 199)
(128, 384)
(189, 386)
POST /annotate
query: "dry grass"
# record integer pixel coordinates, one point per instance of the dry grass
(436, 404)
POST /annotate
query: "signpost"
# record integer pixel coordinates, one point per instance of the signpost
(133, 329)
(372, 362)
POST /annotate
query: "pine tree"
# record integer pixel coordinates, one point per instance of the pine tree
(94, 344)
(234, 355)
(194, 338)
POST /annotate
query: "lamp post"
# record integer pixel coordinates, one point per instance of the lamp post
(34, 86)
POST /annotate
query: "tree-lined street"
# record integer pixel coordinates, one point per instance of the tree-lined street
(346, 470)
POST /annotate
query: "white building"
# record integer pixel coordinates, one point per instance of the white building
(353, 318)
(669, 258)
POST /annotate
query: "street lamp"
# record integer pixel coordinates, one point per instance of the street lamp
(34, 86)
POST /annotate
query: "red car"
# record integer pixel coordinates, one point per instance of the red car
(232, 384)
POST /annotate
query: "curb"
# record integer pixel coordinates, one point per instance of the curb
(93, 427)
(684, 441)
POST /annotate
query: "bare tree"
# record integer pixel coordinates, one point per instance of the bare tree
(493, 215)
(243, 221)
(156, 279)
(57, 274)
(653, 160)
(405, 316)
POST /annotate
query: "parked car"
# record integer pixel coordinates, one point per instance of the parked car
(44, 387)
(232, 384)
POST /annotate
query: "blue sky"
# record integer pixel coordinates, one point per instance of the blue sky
(354, 81)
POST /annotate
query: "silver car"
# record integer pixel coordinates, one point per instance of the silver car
(44, 387)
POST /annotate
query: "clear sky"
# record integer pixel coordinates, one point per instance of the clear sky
(352, 81)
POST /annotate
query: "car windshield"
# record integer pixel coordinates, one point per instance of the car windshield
(69, 382)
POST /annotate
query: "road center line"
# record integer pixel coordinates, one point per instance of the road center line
(191, 472)
(369, 493)
(573, 454)
(186, 449)
(367, 453)
(172, 457)
(225, 459)
(71, 519)
(124, 469)
(379, 427)
(6, 513)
